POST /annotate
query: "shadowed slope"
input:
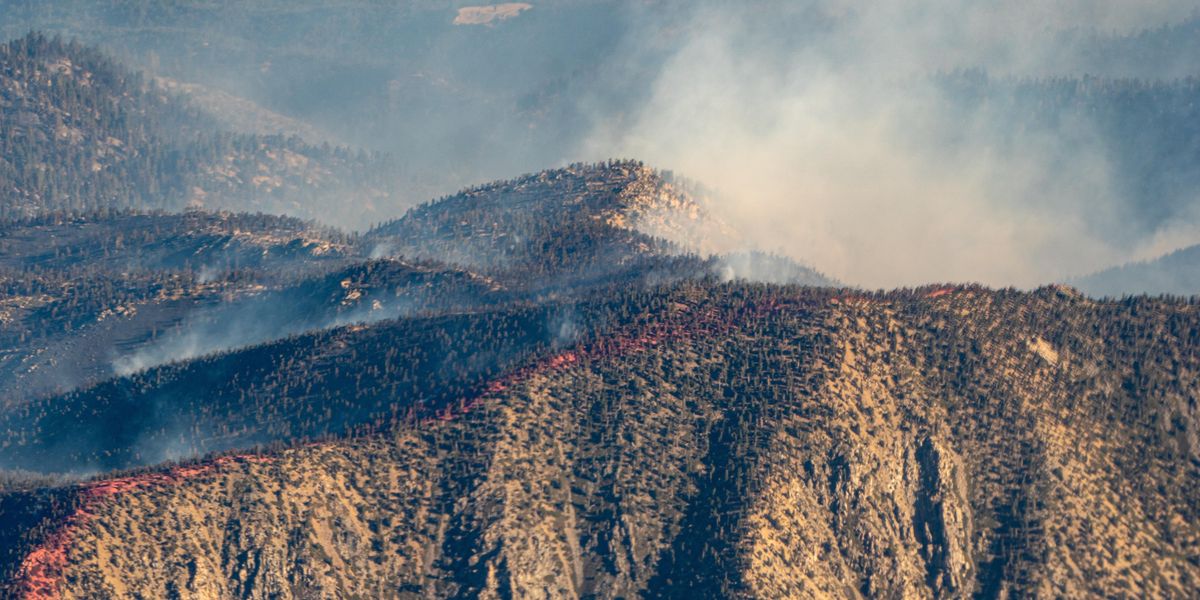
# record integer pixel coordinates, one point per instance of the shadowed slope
(1176, 273)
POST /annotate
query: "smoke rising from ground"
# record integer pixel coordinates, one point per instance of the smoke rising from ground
(245, 324)
(837, 146)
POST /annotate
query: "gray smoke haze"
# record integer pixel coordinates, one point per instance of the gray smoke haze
(833, 143)
(246, 324)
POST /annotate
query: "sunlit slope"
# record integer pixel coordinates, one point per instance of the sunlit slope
(744, 442)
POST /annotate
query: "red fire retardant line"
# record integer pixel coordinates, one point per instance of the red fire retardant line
(42, 570)
(687, 323)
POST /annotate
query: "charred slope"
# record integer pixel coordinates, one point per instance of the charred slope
(77, 293)
(84, 298)
(81, 133)
(129, 242)
(72, 341)
(330, 382)
(743, 442)
(362, 293)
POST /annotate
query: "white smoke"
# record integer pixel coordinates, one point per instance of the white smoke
(835, 146)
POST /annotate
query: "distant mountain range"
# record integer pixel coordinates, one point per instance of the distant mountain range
(1177, 273)
(455, 105)
(84, 134)
(696, 439)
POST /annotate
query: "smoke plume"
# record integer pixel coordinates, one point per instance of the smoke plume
(826, 128)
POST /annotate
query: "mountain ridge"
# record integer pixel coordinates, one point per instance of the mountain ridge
(984, 418)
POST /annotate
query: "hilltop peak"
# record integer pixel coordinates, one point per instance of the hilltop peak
(575, 218)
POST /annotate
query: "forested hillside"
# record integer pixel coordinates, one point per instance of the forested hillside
(83, 134)
(244, 355)
(731, 441)
(78, 293)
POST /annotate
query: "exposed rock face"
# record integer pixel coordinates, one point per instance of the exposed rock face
(755, 442)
